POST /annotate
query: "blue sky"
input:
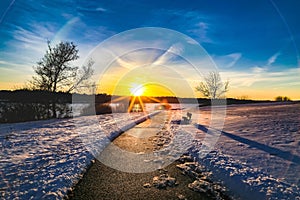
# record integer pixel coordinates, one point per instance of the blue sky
(254, 43)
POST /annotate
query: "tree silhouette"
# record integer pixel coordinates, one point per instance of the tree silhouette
(54, 72)
(212, 86)
(82, 78)
(281, 98)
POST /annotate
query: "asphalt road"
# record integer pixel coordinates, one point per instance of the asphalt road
(104, 182)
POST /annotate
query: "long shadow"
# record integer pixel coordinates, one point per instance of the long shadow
(271, 150)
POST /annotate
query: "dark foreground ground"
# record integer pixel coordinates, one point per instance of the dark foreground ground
(102, 182)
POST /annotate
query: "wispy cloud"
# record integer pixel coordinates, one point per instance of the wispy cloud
(258, 70)
(96, 9)
(169, 55)
(228, 60)
(24, 36)
(194, 23)
(10, 65)
(28, 44)
(235, 57)
(20, 73)
(7, 9)
(129, 60)
(96, 34)
(200, 30)
(260, 75)
(273, 58)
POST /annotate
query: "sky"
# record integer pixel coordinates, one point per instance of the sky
(253, 44)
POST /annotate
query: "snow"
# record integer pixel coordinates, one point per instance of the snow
(257, 156)
(163, 181)
(44, 159)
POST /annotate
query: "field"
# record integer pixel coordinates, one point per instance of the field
(257, 152)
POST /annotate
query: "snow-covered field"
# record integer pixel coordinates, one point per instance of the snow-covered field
(256, 156)
(258, 152)
(43, 159)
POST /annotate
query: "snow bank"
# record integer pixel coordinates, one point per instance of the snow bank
(44, 159)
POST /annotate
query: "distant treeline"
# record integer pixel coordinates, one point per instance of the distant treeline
(29, 105)
(40, 96)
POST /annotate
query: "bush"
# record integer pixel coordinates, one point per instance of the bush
(21, 112)
(281, 98)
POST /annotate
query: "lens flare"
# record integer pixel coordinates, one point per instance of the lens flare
(137, 90)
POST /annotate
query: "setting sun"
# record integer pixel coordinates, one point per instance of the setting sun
(137, 90)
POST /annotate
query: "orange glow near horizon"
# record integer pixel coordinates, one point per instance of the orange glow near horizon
(156, 91)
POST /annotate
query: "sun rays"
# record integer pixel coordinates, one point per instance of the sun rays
(136, 101)
(136, 90)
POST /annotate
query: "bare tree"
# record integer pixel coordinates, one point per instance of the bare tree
(83, 76)
(212, 86)
(54, 72)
